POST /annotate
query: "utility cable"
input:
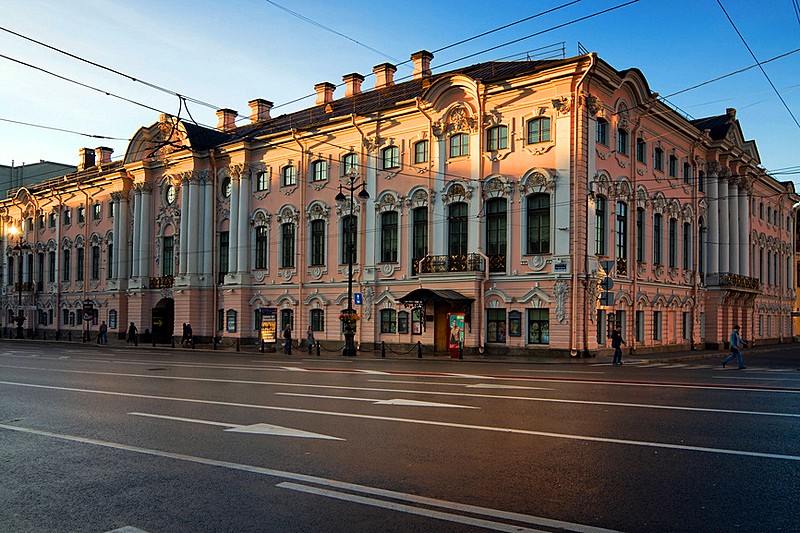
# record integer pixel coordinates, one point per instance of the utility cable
(63, 130)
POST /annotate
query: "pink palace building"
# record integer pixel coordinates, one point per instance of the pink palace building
(542, 201)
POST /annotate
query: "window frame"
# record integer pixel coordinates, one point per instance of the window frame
(421, 156)
(537, 207)
(390, 158)
(289, 176)
(459, 145)
(389, 236)
(288, 234)
(497, 138)
(601, 133)
(317, 232)
(261, 247)
(388, 320)
(319, 171)
(538, 130)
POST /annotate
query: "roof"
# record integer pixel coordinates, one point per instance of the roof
(718, 126)
(434, 295)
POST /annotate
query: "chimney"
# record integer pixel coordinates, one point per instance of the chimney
(324, 92)
(259, 110)
(227, 119)
(384, 75)
(731, 112)
(85, 158)
(352, 84)
(422, 64)
(102, 155)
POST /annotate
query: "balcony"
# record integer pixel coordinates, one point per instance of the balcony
(27, 286)
(733, 281)
(164, 282)
(436, 264)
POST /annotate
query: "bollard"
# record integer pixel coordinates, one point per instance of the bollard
(317, 348)
(383, 349)
(419, 349)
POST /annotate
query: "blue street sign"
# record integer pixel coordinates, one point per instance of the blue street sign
(358, 298)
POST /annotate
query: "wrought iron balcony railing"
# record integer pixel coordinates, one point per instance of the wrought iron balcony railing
(164, 282)
(737, 281)
(433, 264)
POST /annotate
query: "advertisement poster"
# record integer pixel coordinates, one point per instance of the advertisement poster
(269, 324)
(456, 330)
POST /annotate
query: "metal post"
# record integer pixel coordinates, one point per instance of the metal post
(419, 349)
(317, 343)
(383, 349)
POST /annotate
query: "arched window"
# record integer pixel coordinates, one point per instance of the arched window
(390, 157)
(319, 171)
(349, 163)
(288, 176)
(538, 224)
(601, 133)
(457, 230)
(496, 234)
(496, 138)
(317, 242)
(538, 130)
(348, 240)
(658, 221)
(459, 145)
(622, 232)
(389, 237)
(261, 247)
(287, 245)
(600, 226)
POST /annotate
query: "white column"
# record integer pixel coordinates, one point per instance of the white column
(243, 262)
(115, 198)
(124, 260)
(233, 225)
(712, 235)
(184, 236)
(146, 243)
(733, 223)
(724, 233)
(744, 232)
(137, 233)
(437, 211)
(209, 230)
(193, 249)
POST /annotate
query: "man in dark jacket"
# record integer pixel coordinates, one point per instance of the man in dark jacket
(616, 342)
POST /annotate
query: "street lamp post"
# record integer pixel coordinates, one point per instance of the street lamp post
(349, 320)
(20, 318)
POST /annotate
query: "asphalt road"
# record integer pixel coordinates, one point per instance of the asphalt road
(95, 441)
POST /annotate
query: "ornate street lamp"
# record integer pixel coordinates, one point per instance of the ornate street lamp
(20, 247)
(349, 317)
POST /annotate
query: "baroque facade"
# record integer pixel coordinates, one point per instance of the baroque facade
(503, 191)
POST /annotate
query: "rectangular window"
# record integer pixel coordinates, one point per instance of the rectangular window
(317, 320)
(391, 157)
(657, 218)
(687, 325)
(67, 216)
(224, 237)
(111, 210)
(459, 145)
(402, 322)
(658, 159)
(349, 164)
(261, 247)
(622, 142)
(421, 152)
(641, 151)
(673, 243)
(601, 134)
(657, 320)
(687, 245)
(538, 130)
(622, 230)
(639, 326)
(287, 245)
(52, 220)
(687, 173)
(110, 261)
(388, 321)
(81, 214)
(673, 166)
(79, 264)
(496, 138)
(320, 171)
(51, 270)
(95, 262)
(496, 325)
(600, 226)
(97, 211)
(317, 242)
(288, 176)
(640, 235)
(389, 237)
(40, 271)
(168, 266)
(419, 237)
(538, 326)
(348, 240)
(538, 210)
(66, 266)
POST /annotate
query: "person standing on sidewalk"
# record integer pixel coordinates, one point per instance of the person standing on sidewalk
(102, 336)
(311, 340)
(736, 348)
(616, 342)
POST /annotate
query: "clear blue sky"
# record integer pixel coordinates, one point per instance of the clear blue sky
(229, 52)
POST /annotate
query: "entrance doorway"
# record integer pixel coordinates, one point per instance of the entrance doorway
(163, 321)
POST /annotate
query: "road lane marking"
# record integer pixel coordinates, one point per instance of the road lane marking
(537, 370)
(456, 425)
(325, 482)
(404, 508)
(376, 401)
(260, 429)
(462, 385)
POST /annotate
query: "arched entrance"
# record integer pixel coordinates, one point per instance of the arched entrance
(163, 320)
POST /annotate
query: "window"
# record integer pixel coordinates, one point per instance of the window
(496, 325)
(538, 130)
(97, 212)
(110, 261)
(349, 163)
(622, 141)
(111, 210)
(701, 181)
(95, 262)
(226, 188)
(761, 210)
(11, 278)
(601, 134)
(538, 326)
(390, 157)
(168, 265)
(639, 326)
(701, 250)
(459, 145)
(40, 271)
(40, 222)
(687, 325)
(402, 322)
(640, 235)
(457, 230)
(657, 319)
(52, 219)
(317, 320)
(673, 166)
(287, 245)
(687, 173)
(67, 216)
(388, 321)
(419, 236)
(262, 181)
(538, 220)
(319, 171)
(496, 221)
(81, 214)
(288, 176)
(600, 226)
(673, 243)
(421, 152)
(657, 221)
(261, 247)
(51, 267)
(224, 243)
(230, 321)
(66, 266)
(496, 138)
(287, 319)
(389, 237)
(622, 231)
(641, 151)
(687, 245)
(317, 242)
(658, 159)
(348, 240)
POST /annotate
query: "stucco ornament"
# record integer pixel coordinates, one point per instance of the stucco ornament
(369, 296)
(560, 291)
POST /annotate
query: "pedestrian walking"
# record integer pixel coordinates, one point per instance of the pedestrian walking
(184, 335)
(189, 334)
(287, 335)
(132, 338)
(616, 342)
(736, 348)
(102, 336)
(311, 340)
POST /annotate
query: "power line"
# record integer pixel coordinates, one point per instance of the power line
(759, 64)
(94, 136)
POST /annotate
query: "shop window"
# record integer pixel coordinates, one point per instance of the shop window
(388, 321)
(496, 325)
(538, 326)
